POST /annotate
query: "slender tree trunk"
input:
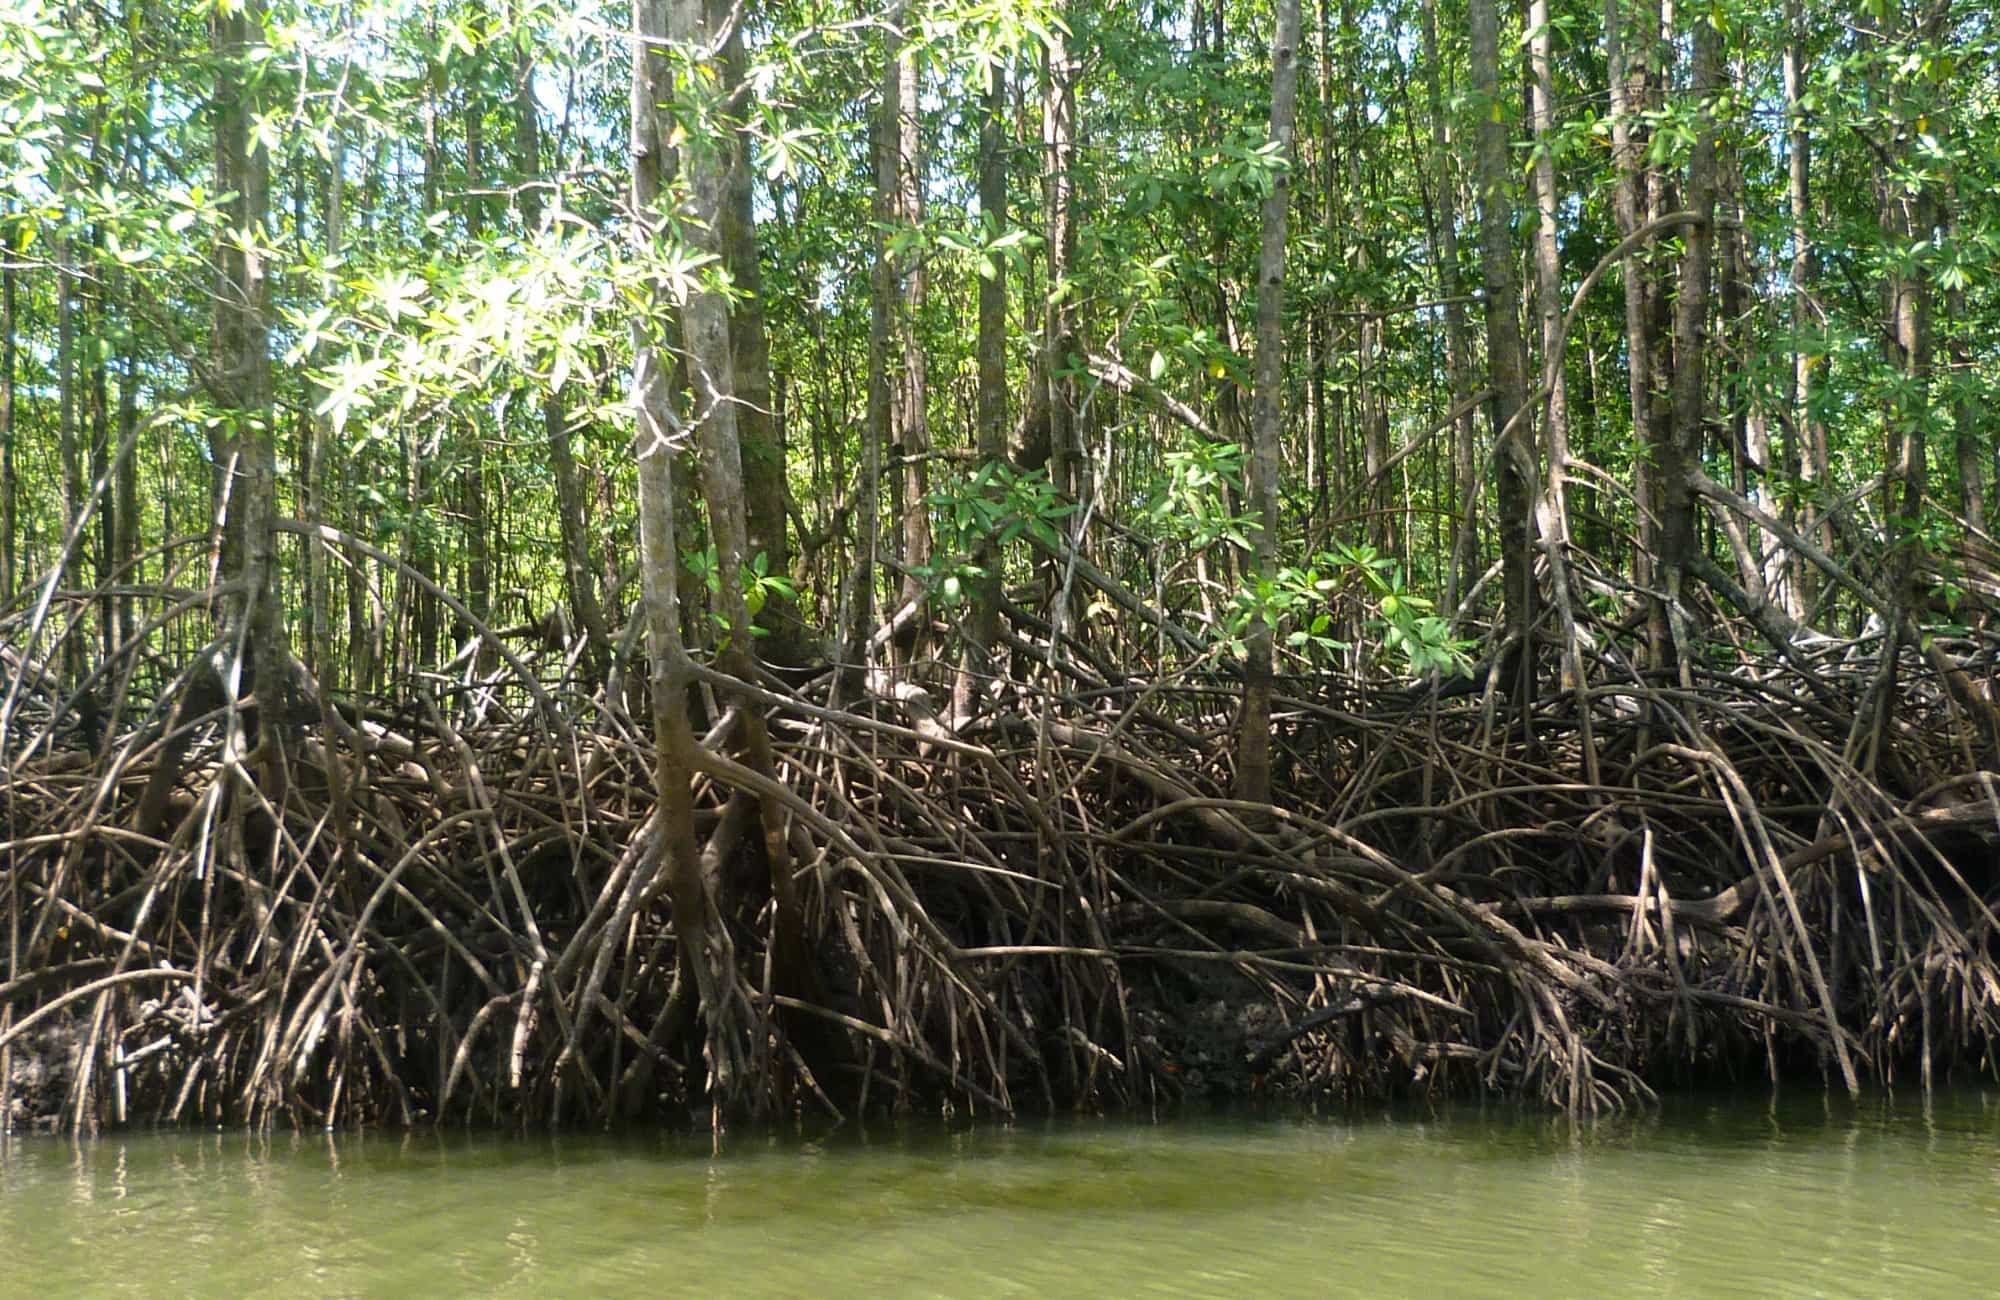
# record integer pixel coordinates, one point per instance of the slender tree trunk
(1908, 215)
(125, 491)
(762, 435)
(1680, 454)
(316, 454)
(1464, 438)
(909, 393)
(1058, 319)
(134, 167)
(1909, 219)
(1811, 452)
(982, 626)
(1371, 415)
(1548, 259)
(66, 443)
(420, 627)
(1967, 419)
(253, 630)
(859, 655)
(1626, 56)
(472, 487)
(1253, 754)
(1331, 430)
(706, 334)
(1315, 155)
(9, 486)
(366, 580)
(1744, 399)
(1513, 449)
(97, 395)
(702, 945)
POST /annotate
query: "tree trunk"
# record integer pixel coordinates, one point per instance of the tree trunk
(1548, 261)
(762, 435)
(315, 454)
(703, 948)
(66, 443)
(9, 487)
(909, 393)
(1745, 400)
(1058, 319)
(472, 486)
(1908, 213)
(254, 634)
(1909, 220)
(1680, 453)
(1371, 415)
(422, 624)
(1464, 439)
(1253, 754)
(858, 654)
(982, 626)
(706, 334)
(1810, 452)
(1626, 56)
(125, 492)
(97, 392)
(1967, 422)
(1513, 449)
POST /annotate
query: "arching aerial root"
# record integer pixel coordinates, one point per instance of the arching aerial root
(457, 914)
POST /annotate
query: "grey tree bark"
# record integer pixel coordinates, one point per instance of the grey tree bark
(1464, 439)
(857, 652)
(760, 432)
(9, 487)
(706, 335)
(1548, 260)
(1513, 450)
(253, 631)
(1628, 45)
(982, 625)
(1809, 452)
(1679, 454)
(702, 945)
(1058, 321)
(1253, 751)
(909, 391)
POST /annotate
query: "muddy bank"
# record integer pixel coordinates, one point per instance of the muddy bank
(39, 1073)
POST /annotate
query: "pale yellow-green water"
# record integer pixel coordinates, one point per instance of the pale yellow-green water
(1737, 1197)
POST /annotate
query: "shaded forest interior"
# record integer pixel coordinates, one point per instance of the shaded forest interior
(588, 563)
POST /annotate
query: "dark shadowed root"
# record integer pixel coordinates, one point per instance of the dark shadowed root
(456, 915)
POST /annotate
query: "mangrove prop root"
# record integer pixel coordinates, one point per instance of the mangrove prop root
(454, 916)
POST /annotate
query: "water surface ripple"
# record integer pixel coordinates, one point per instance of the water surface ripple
(1735, 1197)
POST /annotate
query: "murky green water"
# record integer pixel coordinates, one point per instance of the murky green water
(1734, 1198)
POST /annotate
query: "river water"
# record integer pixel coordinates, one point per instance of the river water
(1751, 1197)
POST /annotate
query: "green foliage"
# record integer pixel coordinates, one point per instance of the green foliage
(1294, 603)
(1302, 605)
(995, 504)
(436, 276)
(760, 585)
(1194, 503)
(1411, 632)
